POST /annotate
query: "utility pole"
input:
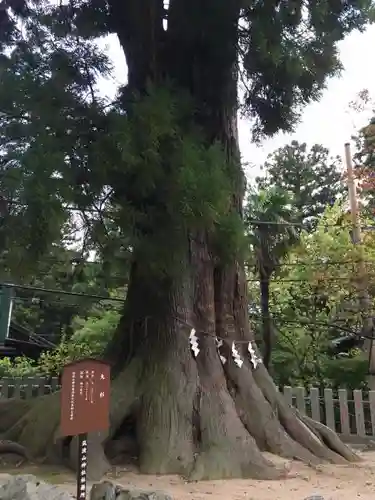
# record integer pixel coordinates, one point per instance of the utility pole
(364, 298)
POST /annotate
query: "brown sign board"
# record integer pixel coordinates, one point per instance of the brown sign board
(85, 397)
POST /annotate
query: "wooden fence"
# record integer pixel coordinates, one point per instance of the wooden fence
(350, 413)
(27, 387)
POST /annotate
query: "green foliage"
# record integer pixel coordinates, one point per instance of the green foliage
(364, 158)
(89, 340)
(146, 170)
(347, 372)
(51, 314)
(20, 367)
(97, 330)
(311, 178)
(229, 240)
(313, 300)
(161, 146)
(145, 167)
(151, 169)
(51, 362)
(270, 233)
(309, 366)
(269, 218)
(289, 49)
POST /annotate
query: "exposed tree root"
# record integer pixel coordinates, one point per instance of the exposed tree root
(262, 420)
(309, 438)
(36, 422)
(188, 422)
(14, 448)
(227, 450)
(11, 413)
(330, 439)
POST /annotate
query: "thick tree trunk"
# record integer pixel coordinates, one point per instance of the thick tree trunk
(188, 415)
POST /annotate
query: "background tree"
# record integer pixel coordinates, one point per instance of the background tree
(269, 218)
(72, 289)
(364, 167)
(314, 299)
(163, 161)
(311, 176)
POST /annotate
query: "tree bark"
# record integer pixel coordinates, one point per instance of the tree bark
(266, 319)
(189, 415)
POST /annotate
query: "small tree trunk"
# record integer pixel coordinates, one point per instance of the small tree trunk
(266, 319)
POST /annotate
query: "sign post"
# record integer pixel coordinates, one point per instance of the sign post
(85, 395)
(82, 467)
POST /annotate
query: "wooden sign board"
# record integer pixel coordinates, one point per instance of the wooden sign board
(85, 397)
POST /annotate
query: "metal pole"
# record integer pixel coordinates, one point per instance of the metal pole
(364, 299)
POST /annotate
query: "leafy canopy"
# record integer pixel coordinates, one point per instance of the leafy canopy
(138, 169)
(312, 179)
(287, 49)
(90, 338)
(269, 219)
(314, 299)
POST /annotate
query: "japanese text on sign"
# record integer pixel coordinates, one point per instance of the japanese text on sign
(85, 397)
(82, 478)
(72, 395)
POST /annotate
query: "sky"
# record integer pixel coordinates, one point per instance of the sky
(329, 122)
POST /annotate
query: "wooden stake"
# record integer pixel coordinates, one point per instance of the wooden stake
(352, 196)
(364, 299)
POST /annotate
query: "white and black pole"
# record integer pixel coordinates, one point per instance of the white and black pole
(82, 467)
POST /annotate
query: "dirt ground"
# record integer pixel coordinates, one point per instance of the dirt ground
(332, 482)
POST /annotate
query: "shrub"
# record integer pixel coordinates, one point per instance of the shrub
(89, 340)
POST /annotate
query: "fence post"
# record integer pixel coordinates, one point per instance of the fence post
(288, 395)
(359, 414)
(41, 383)
(371, 397)
(315, 404)
(344, 412)
(5, 388)
(300, 399)
(330, 413)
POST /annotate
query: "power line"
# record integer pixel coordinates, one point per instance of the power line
(40, 303)
(35, 343)
(204, 333)
(307, 322)
(72, 260)
(249, 221)
(319, 263)
(114, 299)
(281, 264)
(301, 280)
(184, 322)
(66, 207)
(60, 292)
(296, 224)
